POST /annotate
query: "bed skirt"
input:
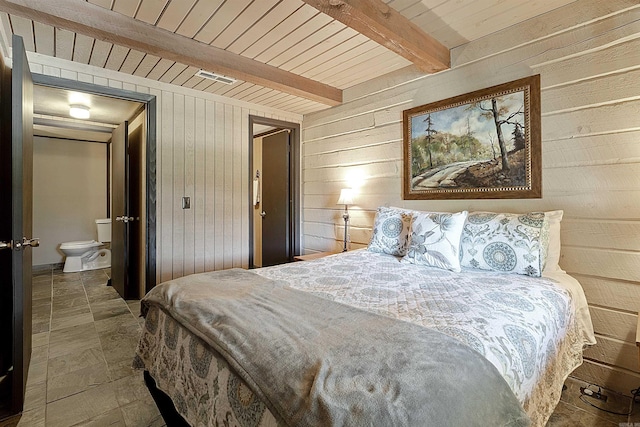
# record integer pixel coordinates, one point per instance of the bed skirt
(169, 414)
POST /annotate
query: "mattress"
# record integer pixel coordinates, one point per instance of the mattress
(533, 330)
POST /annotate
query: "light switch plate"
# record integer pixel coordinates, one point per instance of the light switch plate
(186, 202)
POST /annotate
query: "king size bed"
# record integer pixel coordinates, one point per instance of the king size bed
(411, 331)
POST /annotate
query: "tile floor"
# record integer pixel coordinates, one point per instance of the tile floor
(84, 338)
(572, 411)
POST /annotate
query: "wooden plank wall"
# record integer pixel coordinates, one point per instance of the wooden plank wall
(202, 152)
(588, 56)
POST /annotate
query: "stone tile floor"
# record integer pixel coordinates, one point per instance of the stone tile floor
(84, 338)
(574, 411)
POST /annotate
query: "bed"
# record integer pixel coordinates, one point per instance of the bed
(530, 330)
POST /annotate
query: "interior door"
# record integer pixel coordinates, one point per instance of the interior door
(16, 163)
(136, 203)
(6, 215)
(120, 210)
(276, 199)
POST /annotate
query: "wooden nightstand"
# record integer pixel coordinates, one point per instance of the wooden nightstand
(309, 257)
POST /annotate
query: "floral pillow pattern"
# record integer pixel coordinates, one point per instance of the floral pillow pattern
(435, 239)
(511, 243)
(390, 232)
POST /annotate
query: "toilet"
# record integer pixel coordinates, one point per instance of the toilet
(85, 255)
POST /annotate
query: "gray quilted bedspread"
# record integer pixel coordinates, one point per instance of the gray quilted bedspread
(317, 362)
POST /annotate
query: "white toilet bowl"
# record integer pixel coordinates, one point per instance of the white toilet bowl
(85, 254)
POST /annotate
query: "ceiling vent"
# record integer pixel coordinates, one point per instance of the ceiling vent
(215, 77)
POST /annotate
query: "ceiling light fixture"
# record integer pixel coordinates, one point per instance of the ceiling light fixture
(78, 111)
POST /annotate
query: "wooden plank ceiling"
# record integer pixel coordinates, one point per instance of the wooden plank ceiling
(293, 55)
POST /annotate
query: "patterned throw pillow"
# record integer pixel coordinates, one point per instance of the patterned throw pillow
(512, 243)
(390, 232)
(435, 239)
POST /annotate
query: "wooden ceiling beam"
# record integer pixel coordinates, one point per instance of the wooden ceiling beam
(94, 21)
(383, 24)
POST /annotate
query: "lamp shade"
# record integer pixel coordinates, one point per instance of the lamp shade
(346, 197)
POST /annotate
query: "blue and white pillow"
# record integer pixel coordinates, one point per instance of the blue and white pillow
(511, 243)
(435, 239)
(390, 231)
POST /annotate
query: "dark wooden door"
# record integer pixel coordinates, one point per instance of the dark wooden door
(120, 210)
(136, 203)
(16, 193)
(6, 255)
(276, 199)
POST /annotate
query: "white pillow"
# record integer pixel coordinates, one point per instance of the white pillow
(511, 243)
(553, 254)
(390, 232)
(435, 239)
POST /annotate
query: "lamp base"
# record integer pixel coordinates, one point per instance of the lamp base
(345, 216)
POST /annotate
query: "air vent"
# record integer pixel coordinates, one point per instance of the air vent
(215, 77)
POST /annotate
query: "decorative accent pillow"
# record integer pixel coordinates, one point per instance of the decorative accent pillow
(435, 239)
(511, 243)
(390, 232)
(553, 254)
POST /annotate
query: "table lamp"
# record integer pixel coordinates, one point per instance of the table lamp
(346, 199)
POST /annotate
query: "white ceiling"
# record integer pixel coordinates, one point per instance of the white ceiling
(55, 102)
(51, 114)
(290, 36)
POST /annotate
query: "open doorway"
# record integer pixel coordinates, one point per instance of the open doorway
(132, 241)
(274, 217)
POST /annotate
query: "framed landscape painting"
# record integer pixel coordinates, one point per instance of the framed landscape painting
(480, 145)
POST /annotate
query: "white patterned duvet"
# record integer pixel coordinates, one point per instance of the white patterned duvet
(532, 330)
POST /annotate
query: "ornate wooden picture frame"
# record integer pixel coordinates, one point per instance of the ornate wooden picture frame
(481, 145)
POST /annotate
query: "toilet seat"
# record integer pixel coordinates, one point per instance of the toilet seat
(80, 244)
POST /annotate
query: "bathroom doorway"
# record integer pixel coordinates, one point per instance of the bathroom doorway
(137, 259)
(16, 111)
(274, 217)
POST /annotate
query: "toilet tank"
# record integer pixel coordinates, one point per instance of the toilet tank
(104, 229)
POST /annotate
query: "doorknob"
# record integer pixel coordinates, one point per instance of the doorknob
(125, 219)
(34, 243)
(263, 214)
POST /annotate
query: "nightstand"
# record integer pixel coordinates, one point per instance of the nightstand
(309, 257)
